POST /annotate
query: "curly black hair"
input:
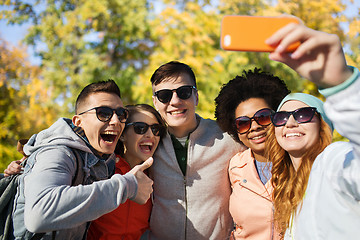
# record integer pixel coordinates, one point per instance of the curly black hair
(251, 84)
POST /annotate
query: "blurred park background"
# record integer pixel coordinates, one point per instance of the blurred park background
(76, 42)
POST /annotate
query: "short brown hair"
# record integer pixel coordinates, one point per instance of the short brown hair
(172, 69)
(108, 86)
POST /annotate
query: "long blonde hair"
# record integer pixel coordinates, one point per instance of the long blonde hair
(289, 184)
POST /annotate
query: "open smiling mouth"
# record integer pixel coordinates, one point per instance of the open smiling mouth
(289, 135)
(108, 137)
(258, 137)
(177, 112)
(146, 146)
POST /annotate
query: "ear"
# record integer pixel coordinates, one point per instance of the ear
(155, 102)
(76, 120)
(196, 98)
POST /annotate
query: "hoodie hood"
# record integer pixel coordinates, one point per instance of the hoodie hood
(60, 133)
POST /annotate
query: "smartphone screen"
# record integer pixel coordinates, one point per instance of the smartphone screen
(248, 33)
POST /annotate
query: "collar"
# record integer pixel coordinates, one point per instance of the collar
(198, 119)
(80, 132)
(122, 166)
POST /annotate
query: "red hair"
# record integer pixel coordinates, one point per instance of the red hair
(289, 184)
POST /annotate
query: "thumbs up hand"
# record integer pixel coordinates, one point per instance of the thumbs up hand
(144, 182)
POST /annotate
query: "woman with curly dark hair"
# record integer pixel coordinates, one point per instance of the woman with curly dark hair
(243, 109)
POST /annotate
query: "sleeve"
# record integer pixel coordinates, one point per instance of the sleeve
(343, 108)
(53, 204)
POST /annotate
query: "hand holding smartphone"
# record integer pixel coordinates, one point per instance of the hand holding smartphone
(248, 33)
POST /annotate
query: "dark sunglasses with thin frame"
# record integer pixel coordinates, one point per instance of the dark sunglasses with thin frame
(301, 115)
(104, 114)
(141, 128)
(183, 92)
(262, 117)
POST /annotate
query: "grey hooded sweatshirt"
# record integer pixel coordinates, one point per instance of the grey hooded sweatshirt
(47, 202)
(194, 206)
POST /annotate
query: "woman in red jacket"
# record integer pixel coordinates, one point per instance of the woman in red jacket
(140, 138)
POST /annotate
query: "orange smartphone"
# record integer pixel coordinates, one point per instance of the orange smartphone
(248, 33)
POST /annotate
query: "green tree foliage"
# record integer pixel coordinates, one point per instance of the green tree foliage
(353, 40)
(24, 107)
(84, 41)
(189, 35)
(235, 62)
(323, 15)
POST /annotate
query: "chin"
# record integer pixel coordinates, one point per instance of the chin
(108, 151)
(296, 151)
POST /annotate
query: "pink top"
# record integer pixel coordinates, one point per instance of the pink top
(250, 201)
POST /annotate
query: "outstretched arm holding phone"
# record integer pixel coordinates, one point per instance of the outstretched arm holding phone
(319, 58)
(330, 208)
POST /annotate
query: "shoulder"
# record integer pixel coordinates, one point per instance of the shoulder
(241, 159)
(55, 156)
(206, 122)
(335, 149)
(210, 128)
(207, 128)
(60, 150)
(333, 157)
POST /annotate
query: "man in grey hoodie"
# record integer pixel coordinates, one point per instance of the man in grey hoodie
(47, 200)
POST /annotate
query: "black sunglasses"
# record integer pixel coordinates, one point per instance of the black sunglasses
(301, 115)
(104, 114)
(262, 117)
(183, 92)
(141, 128)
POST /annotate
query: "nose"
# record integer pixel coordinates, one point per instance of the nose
(148, 132)
(174, 99)
(254, 125)
(291, 122)
(114, 119)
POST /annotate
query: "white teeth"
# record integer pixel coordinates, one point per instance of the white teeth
(146, 146)
(110, 132)
(258, 137)
(147, 143)
(293, 135)
(176, 112)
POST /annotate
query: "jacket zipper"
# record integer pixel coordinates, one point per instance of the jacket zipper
(186, 206)
(272, 222)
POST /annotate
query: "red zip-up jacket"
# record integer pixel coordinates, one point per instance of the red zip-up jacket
(128, 222)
